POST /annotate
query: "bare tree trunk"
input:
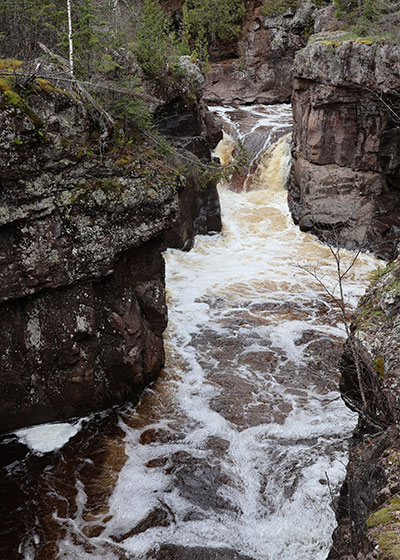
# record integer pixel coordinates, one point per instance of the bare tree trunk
(70, 43)
(115, 5)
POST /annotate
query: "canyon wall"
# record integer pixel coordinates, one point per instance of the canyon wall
(368, 512)
(257, 68)
(344, 187)
(83, 221)
(346, 139)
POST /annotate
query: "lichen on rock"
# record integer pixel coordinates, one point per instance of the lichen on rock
(83, 222)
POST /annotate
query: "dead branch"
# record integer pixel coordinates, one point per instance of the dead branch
(106, 122)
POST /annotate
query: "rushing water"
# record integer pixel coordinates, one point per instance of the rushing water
(240, 443)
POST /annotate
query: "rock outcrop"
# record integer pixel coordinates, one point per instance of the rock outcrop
(369, 507)
(345, 178)
(82, 224)
(258, 69)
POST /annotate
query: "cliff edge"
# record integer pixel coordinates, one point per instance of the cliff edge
(345, 178)
(84, 215)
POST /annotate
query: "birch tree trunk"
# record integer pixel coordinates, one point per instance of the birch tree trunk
(115, 12)
(70, 42)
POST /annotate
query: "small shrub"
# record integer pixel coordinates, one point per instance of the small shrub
(368, 17)
(278, 7)
(152, 39)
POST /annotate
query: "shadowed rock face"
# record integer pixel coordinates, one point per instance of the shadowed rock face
(83, 346)
(346, 174)
(82, 296)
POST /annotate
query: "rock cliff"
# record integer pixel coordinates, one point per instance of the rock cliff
(82, 224)
(257, 69)
(369, 506)
(345, 178)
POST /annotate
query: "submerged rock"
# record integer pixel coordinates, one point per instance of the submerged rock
(178, 552)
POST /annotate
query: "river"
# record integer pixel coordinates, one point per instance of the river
(239, 448)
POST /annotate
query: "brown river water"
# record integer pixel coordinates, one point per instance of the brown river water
(237, 450)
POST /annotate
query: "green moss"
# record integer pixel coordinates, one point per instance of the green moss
(331, 43)
(381, 517)
(44, 85)
(389, 544)
(124, 160)
(379, 272)
(18, 142)
(8, 68)
(380, 367)
(10, 64)
(337, 39)
(385, 515)
(11, 97)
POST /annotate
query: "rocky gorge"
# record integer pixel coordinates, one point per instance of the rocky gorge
(84, 221)
(344, 188)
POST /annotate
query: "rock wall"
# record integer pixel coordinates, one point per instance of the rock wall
(368, 512)
(82, 226)
(345, 178)
(257, 69)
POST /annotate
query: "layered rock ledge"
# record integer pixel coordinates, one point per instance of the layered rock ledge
(346, 174)
(82, 227)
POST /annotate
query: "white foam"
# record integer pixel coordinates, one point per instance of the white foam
(236, 301)
(48, 437)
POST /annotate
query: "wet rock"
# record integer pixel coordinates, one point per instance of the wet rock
(11, 450)
(159, 517)
(168, 551)
(344, 181)
(218, 445)
(200, 213)
(156, 436)
(198, 481)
